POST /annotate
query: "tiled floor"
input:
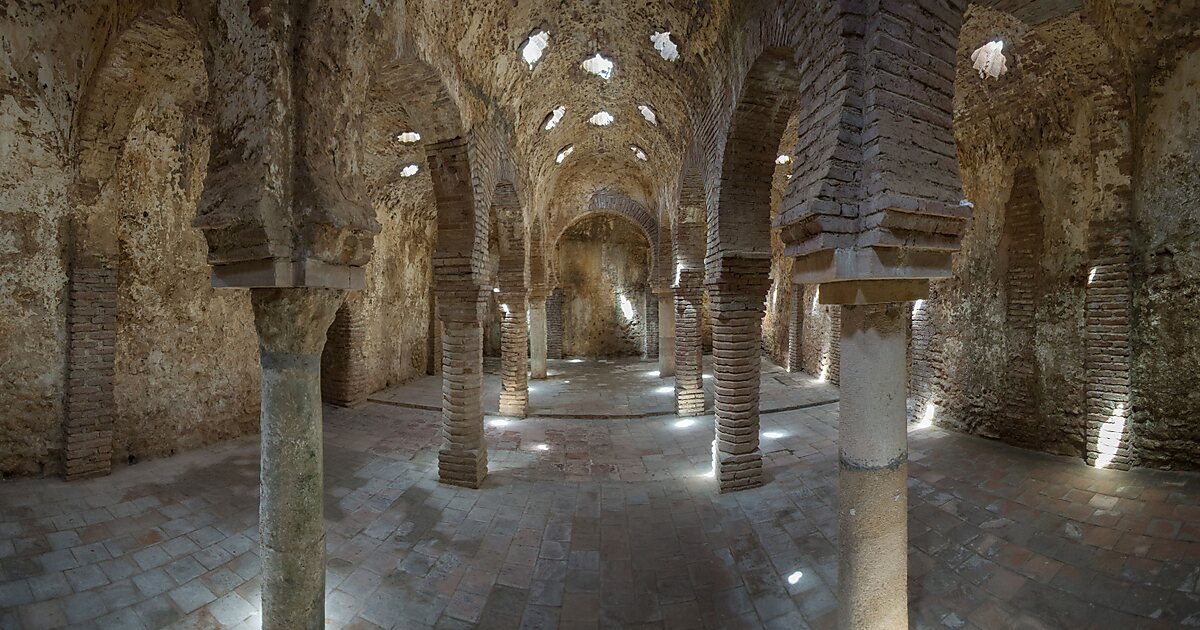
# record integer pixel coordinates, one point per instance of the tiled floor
(605, 523)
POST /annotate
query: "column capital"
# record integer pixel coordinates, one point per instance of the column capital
(862, 292)
(294, 320)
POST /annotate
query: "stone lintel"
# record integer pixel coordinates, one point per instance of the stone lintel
(871, 263)
(860, 292)
(276, 273)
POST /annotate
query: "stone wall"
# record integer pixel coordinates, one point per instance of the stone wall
(603, 259)
(1069, 325)
(1166, 290)
(186, 370)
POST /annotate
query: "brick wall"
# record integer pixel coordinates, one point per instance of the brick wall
(1023, 237)
(554, 325)
(91, 337)
(344, 378)
(651, 327)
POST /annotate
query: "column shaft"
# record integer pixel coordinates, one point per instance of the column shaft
(291, 325)
(537, 336)
(462, 460)
(873, 468)
(689, 353)
(666, 333)
(795, 361)
(514, 356)
(737, 312)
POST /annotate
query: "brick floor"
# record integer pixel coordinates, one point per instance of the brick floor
(590, 523)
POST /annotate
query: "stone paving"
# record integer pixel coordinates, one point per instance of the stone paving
(587, 523)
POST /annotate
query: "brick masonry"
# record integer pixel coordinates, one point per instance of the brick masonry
(344, 377)
(554, 324)
(1023, 236)
(795, 348)
(91, 337)
(651, 327)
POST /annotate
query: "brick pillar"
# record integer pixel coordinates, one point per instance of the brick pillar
(537, 334)
(433, 347)
(554, 325)
(666, 332)
(651, 319)
(834, 374)
(462, 459)
(91, 337)
(514, 355)
(1108, 302)
(737, 303)
(689, 353)
(343, 363)
(796, 329)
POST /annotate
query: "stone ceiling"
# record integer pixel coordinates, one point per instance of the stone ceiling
(482, 40)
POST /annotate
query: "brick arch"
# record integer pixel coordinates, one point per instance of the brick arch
(619, 204)
(739, 204)
(158, 56)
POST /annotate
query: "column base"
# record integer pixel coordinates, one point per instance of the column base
(466, 468)
(737, 472)
(689, 403)
(514, 409)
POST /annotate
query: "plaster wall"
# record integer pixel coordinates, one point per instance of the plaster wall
(601, 259)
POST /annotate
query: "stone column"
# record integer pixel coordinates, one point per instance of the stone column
(514, 355)
(291, 325)
(873, 454)
(537, 334)
(666, 332)
(737, 303)
(795, 354)
(689, 353)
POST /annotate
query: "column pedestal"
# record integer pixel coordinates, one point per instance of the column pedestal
(291, 325)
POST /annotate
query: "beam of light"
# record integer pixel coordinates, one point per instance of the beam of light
(542, 447)
(499, 422)
(989, 60)
(1112, 433)
(685, 423)
(532, 51)
(1092, 275)
(773, 435)
(626, 306)
(927, 416)
(575, 361)
(653, 373)
(709, 376)
(795, 577)
(665, 389)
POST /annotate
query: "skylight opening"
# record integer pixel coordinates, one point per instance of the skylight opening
(648, 114)
(989, 60)
(638, 152)
(599, 65)
(553, 117)
(532, 51)
(408, 137)
(410, 170)
(783, 159)
(667, 48)
(601, 119)
(562, 155)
